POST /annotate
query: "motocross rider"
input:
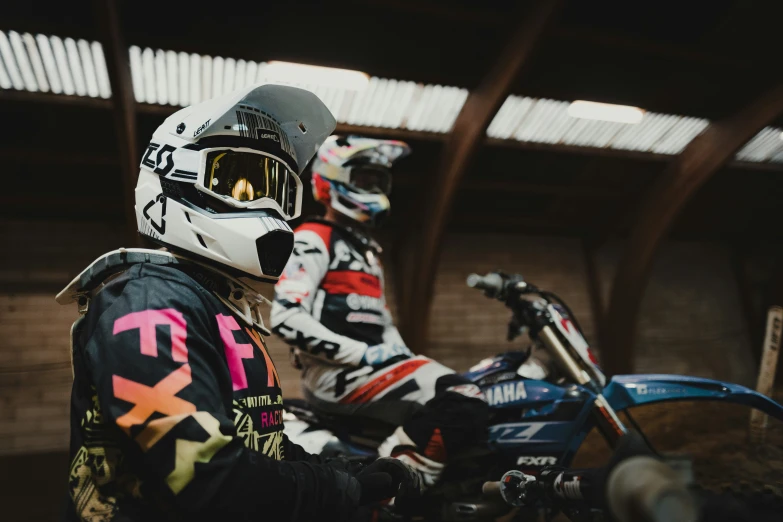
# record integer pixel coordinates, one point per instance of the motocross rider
(330, 306)
(176, 408)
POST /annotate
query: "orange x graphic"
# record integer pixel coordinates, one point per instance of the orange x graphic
(270, 366)
(149, 399)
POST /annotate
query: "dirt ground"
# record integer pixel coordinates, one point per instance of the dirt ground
(714, 435)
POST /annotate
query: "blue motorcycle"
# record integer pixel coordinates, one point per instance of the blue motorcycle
(534, 423)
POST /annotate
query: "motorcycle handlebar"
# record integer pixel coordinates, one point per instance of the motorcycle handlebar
(491, 489)
(491, 283)
(644, 488)
(638, 489)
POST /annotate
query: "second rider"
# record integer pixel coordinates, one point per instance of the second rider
(330, 306)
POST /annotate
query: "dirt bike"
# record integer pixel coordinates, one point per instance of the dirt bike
(533, 423)
(635, 485)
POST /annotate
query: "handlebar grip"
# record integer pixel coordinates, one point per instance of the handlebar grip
(645, 489)
(491, 489)
(492, 283)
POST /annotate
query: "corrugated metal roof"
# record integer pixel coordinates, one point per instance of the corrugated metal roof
(547, 121)
(50, 64)
(165, 77)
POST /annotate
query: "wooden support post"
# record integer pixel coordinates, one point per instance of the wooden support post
(419, 262)
(124, 105)
(704, 156)
(767, 369)
(753, 319)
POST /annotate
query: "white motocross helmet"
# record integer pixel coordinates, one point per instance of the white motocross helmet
(219, 179)
(353, 175)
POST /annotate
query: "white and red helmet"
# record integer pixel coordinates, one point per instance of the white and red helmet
(219, 179)
(353, 174)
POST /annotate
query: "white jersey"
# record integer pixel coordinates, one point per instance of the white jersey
(330, 306)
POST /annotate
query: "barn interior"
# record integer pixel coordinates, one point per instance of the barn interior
(661, 234)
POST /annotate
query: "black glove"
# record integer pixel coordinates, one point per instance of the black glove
(387, 478)
(350, 466)
(321, 491)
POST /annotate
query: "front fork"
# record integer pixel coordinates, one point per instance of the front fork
(606, 419)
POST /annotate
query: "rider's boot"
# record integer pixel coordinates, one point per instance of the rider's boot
(539, 366)
(533, 369)
(429, 465)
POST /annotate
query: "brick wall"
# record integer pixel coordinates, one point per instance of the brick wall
(465, 325)
(690, 320)
(35, 373)
(39, 258)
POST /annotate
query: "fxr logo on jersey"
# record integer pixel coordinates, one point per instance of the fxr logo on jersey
(345, 255)
(162, 397)
(309, 344)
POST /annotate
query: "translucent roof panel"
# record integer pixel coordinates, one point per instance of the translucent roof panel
(540, 120)
(69, 67)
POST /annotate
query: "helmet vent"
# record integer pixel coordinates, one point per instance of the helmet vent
(201, 240)
(274, 249)
(302, 127)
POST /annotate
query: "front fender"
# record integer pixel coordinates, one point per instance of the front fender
(626, 391)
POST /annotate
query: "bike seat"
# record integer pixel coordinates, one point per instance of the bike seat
(370, 420)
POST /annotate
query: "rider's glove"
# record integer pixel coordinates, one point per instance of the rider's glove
(341, 463)
(380, 353)
(386, 478)
(328, 490)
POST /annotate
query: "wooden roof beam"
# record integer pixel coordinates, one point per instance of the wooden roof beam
(10, 96)
(704, 156)
(124, 105)
(417, 265)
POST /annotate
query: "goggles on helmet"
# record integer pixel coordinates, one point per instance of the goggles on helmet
(250, 180)
(370, 179)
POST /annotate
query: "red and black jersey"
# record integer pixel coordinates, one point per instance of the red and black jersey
(330, 301)
(176, 412)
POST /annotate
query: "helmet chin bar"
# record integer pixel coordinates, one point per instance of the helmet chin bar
(380, 218)
(274, 249)
(228, 271)
(350, 204)
(338, 204)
